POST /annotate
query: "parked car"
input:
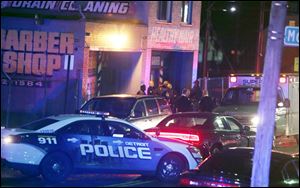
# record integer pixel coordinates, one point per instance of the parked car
(141, 110)
(56, 146)
(233, 168)
(210, 132)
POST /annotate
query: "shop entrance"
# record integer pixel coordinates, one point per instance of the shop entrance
(114, 71)
(175, 67)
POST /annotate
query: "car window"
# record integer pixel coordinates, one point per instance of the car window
(219, 124)
(122, 130)
(116, 106)
(84, 127)
(151, 107)
(233, 125)
(139, 110)
(164, 106)
(181, 122)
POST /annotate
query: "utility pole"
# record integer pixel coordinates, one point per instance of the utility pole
(260, 37)
(205, 50)
(267, 105)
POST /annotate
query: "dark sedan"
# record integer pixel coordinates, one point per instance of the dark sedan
(233, 168)
(211, 131)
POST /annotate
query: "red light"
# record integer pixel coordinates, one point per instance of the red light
(201, 183)
(282, 80)
(151, 133)
(184, 181)
(182, 136)
(233, 79)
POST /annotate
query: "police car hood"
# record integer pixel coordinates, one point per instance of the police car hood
(236, 109)
(14, 131)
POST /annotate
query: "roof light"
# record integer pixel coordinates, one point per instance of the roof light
(282, 80)
(233, 79)
(97, 113)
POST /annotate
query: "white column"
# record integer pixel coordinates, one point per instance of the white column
(195, 66)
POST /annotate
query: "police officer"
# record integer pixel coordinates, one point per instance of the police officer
(183, 103)
(206, 103)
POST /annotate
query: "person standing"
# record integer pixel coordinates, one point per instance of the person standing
(183, 103)
(142, 90)
(206, 103)
(151, 89)
(196, 95)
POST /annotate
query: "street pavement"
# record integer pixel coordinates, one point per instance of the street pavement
(12, 178)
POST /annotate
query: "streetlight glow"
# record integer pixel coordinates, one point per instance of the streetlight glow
(232, 9)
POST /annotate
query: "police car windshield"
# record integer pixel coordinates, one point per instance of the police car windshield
(38, 124)
(242, 96)
(116, 106)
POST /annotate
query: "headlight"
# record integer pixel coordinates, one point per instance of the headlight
(8, 139)
(254, 120)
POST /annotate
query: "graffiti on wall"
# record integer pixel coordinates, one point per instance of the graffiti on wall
(173, 38)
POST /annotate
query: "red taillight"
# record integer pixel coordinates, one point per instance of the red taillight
(282, 80)
(182, 136)
(184, 181)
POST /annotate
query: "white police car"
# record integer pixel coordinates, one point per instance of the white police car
(57, 146)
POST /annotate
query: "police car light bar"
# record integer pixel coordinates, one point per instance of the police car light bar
(97, 113)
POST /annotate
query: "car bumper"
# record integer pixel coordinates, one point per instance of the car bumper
(22, 153)
(28, 168)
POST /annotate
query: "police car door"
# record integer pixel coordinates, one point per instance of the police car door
(129, 149)
(73, 137)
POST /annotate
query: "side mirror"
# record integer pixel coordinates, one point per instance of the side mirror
(131, 115)
(287, 103)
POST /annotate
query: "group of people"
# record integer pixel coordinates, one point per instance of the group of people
(189, 100)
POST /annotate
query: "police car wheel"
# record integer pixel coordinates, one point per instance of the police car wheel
(215, 150)
(170, 167)
(56, 167)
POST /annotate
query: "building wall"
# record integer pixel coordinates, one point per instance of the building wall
(34, 91)
(174, 36)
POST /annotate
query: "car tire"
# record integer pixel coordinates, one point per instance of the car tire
(215, 150)
(170, 167)
(56, 167)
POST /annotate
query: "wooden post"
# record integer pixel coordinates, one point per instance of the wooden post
(267, 105)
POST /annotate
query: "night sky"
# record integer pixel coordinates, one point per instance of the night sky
(236, 31)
